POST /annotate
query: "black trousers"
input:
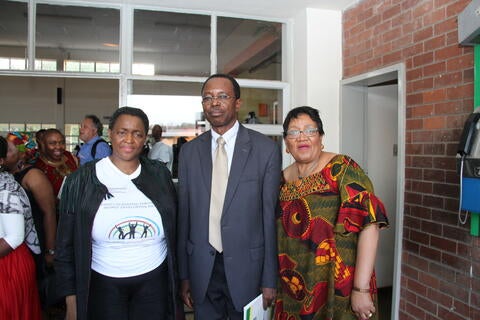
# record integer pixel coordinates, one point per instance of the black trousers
(217, 304)
(142, 297)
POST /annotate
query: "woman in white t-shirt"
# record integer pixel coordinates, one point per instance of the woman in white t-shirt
(115, 244)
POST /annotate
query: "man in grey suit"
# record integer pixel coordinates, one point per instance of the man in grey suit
(219, 279)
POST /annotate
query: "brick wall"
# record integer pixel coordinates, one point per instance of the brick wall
(437, 251)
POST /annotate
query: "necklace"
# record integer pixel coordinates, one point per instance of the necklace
(309, 169)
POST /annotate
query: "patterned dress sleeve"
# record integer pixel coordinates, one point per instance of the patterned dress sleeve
(359, 206)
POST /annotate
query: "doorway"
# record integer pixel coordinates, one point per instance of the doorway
(372, 131)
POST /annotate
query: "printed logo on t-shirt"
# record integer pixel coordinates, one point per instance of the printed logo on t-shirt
(134, 228)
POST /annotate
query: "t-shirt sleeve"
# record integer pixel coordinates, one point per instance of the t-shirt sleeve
(103, 150)
(359, 205)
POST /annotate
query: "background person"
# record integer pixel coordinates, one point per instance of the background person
(328, 229)
(94, 147)
(222, 271)
(160, 151)
(21, 148)
(19, 298)
(54, 160)
(115, 255)
(38, 189)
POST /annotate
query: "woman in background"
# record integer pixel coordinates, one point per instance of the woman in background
(115, 255)
(21, 150)
(328, 229)
(19, 298)
(54, 160)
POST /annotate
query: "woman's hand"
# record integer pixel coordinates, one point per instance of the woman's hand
(362, 304)
(71, 302)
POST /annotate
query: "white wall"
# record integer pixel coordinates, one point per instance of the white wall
(34, 99)
(317, 61)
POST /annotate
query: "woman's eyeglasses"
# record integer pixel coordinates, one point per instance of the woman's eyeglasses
(294, 134)
(207, 100)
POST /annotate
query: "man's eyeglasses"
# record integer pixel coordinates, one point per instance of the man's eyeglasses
(294, 134)
(220, 98)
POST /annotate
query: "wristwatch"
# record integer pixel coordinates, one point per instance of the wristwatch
(51, 252)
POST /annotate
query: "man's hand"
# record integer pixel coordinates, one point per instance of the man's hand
(185, 293)
(269, 295)
(71, 303)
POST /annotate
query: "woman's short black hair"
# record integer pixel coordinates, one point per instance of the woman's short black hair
(235, 85)
(136, 112)
(49, 131)
(3, 147)
(309, 111)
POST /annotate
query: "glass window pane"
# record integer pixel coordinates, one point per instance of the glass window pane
(264, 104)
(49, 65)
(157, 98)
(85, 34)
(33, 127)
(4, 63)
(73, 66)
(17, 127)
(13, 33)
(173, 43)
(249, 49)
(17, 64)
(87, 66)
(3, 128)
(102, 67)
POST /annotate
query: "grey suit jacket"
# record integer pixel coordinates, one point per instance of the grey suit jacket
(248, 218)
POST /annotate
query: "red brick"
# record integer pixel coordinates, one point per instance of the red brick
(422, 136)
(422, 9)
(447, 52)
(392, 57)
(434, 122)
(391, 12)
(445, 26)
(433, 202)
(413, 99)
(434, 175)
(434, 16)
(459, 63)
(434, 95)
(422, 111)
(423, 34)
(456, 8)
(423, 59)
(435, 43)
(434, 69)
(443, 79)
(413, 74)
(460, 91)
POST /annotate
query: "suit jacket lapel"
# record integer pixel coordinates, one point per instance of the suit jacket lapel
(206, 159)
(241, 153)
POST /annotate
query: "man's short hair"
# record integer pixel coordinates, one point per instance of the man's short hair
(96, 122)
(235, 85)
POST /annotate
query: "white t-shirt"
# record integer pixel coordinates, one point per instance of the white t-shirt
(127, 236)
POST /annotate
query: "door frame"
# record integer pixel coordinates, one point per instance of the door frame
(357, 86)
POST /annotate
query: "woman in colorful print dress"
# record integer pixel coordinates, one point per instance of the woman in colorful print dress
(328, 229)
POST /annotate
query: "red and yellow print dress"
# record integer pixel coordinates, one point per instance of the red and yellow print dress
(318, 225)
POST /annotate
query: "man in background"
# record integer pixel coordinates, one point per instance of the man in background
(94, 147)
(161, 151)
